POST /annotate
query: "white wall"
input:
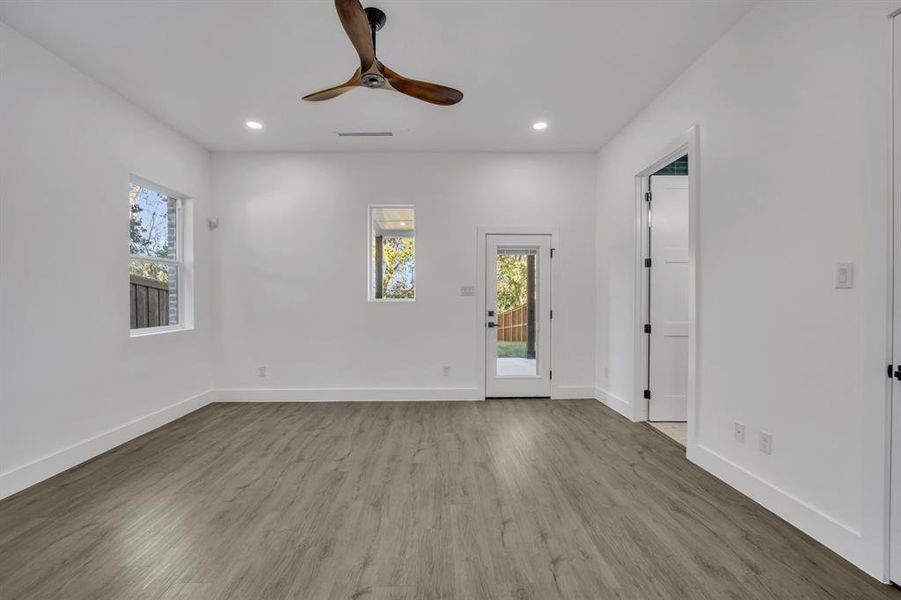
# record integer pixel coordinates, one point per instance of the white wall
(72, 381)
(291, 270)
(792, 106)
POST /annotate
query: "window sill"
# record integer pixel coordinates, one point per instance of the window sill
(148, 331)
(391, 300)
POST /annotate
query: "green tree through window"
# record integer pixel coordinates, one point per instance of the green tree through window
(512, 281)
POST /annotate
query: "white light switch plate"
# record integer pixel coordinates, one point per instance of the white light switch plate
(739, 432)
(844, 276)
(467, 290)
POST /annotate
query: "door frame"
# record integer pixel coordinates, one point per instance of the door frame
(687, 143)
(482, 233)
(893, 486)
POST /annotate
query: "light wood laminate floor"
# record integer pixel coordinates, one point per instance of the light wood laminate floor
(471, 500)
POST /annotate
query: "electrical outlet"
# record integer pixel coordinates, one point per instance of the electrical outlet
(446, 370)
(739, 432)
(261, 371)
(766, 442)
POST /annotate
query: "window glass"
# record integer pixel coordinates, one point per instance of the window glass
(152, 225)
(392, 256)
(517, 301)
(155, 268)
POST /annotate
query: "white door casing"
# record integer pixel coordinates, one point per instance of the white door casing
(895, 494)
(515, 377)
(669, 314)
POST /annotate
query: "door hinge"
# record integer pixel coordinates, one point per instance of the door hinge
(647, 263)
(550, 374)
(647, 394)
(552, 313)
(552, 252)
(647, 328)
(647, 196)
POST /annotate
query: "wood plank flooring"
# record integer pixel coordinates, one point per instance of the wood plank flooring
(518, 499)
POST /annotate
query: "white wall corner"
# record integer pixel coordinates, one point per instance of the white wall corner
(36, 471)
(623, 407)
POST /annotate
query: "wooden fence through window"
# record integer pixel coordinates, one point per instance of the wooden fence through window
(513, 324)
(149, 302)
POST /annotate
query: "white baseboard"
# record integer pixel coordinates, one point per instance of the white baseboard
(837, 536)
(38, 470)
(345, 394)
(572, 392)
(623, 407)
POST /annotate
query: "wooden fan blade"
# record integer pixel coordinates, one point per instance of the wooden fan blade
(335, 91)
(423, 90)
(356, 25)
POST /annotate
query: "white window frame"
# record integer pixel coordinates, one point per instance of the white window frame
(369, 258)
(183, 261)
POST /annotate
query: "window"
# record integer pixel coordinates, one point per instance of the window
(156, 271)
(392, 253)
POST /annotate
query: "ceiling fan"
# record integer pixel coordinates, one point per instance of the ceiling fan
(361, 26)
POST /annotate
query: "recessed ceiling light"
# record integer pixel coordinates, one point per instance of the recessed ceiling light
(539, 125)
(254, 125)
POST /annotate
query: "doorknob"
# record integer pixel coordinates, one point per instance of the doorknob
(491, 324)
(897, 372)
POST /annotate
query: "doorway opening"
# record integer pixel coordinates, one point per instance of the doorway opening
(666, 283)
(666, 305)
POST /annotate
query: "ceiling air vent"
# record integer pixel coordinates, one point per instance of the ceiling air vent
(365, 134)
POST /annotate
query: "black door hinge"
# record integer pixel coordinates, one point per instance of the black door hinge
(647, 196)
(647, 394)
(550, 374)
(552, 313)
(647, 328)
(647, 263)
(552, 252)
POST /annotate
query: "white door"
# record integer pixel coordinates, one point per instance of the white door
(895, 369)
(668, 307)
(518, 316)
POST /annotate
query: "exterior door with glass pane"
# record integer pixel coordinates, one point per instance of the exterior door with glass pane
(518, 316)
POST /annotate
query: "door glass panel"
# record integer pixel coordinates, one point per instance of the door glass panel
(517, 310)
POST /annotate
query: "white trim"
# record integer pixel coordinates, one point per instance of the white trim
(156, 259)
(573, 392)
(145, 331)
(482, 233)
(623, 407)
(837, 536)
(43, 468)
(338, 394)
(893, 210)
(687, 143)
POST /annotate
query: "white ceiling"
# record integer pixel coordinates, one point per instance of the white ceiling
(205, 67)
